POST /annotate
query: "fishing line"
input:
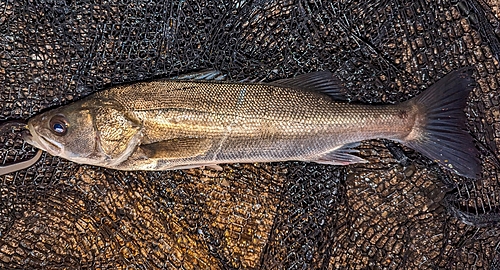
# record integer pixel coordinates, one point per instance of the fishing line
(4, 128)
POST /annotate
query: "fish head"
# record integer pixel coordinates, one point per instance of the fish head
(68, 132)
(95, 133)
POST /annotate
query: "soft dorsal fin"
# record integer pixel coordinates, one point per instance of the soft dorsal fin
(321, 81)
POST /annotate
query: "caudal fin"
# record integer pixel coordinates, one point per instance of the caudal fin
(442, 132)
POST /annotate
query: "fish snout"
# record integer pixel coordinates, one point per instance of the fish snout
(35, 138)
(26, 135)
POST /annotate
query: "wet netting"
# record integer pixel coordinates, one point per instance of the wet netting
(400, 211)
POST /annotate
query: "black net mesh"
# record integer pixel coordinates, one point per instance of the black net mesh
(400, 211)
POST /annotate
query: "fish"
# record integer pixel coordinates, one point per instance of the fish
(171, 124)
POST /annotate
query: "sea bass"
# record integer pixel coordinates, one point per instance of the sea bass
(179, 124)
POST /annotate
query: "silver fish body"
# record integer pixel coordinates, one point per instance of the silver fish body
(172, 124)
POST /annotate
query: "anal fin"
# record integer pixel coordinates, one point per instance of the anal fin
(339, 156)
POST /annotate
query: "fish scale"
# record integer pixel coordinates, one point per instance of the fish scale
(241, 118)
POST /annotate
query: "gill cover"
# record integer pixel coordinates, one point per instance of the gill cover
(118, 132)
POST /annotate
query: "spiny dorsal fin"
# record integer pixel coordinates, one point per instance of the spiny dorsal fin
(205, 74)
(321, 81)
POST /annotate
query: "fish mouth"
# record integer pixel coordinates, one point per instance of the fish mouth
(32, 137)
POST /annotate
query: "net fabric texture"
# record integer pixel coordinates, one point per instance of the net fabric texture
(400, 211)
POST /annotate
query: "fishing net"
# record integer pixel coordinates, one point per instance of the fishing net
(400, 211)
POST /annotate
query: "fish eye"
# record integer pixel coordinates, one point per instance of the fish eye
(59, 125)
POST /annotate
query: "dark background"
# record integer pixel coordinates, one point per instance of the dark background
(400, 211)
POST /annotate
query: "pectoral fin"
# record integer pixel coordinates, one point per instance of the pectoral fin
(340, 156)
(177, 148)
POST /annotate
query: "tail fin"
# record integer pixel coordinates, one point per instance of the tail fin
(443, 136)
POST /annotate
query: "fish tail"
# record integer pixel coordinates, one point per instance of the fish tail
(441, 134)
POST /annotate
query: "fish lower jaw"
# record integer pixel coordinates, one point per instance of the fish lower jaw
(27, 137)
(43, 144)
